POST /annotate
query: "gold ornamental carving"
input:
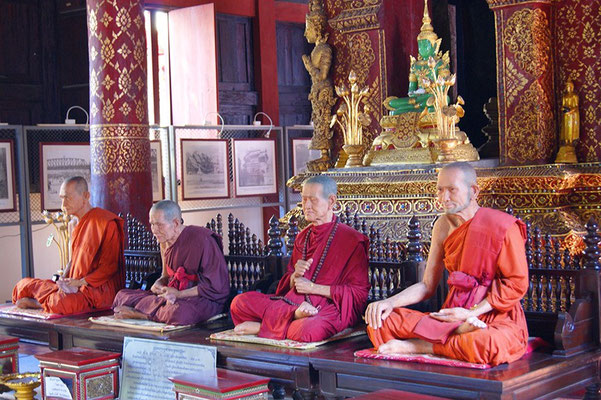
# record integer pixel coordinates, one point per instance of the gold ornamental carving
(119, 149)
(531, 126)
(322, 93)
(528, 36)
(357, 19)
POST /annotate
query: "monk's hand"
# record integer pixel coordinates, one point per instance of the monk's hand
(455, 314)
(300, 268)
(70, 285)
(170, 294)
(304, 286)
(377, 312)
(157, 287)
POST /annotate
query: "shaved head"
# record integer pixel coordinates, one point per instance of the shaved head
(169, 208)
(469, 173)
(79, 184)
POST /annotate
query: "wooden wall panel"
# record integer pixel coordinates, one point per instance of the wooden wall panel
(235, 70)
(294, 82)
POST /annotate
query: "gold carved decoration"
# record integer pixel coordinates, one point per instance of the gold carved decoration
(119, 148)
(322, 94)
(531, 126)
(357, 19)
(515, 82)
(528, 36)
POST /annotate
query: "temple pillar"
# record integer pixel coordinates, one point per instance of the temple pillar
(525, 81)
(119, 143)
(375, 39)
(578, 51)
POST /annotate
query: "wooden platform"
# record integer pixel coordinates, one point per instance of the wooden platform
(331, 370)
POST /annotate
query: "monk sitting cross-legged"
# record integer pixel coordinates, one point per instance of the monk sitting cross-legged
(95, 272)
(482, 320)
(325, 289)
(194, 284)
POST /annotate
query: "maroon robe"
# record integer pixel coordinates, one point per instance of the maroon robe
(199, 251)
(345, 270)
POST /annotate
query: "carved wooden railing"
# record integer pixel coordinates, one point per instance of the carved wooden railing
(142, 255)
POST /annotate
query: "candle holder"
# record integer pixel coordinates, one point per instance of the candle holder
(60, 221)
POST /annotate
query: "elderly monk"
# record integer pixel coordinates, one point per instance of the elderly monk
(326, 286)
(482, 320)
(95, 273)
(195, 282)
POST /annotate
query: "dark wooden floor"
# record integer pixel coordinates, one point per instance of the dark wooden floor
(332, 371)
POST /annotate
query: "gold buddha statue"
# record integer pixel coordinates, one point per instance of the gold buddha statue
(569, 133)
(322, 92)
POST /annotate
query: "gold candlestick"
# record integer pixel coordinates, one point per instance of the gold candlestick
(351, 120)
(60, 221)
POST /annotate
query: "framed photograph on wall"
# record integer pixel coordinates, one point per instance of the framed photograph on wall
(301, 155)
(205, 169)
(156, 168)
(7, 176)
(255, 167)
(60, 161)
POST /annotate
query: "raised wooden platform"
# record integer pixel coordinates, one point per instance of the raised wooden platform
(332, 371)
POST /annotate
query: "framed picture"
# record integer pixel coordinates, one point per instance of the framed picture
(255, 167)
(60, 161)
(205, 169)
(301, 155)
(156, 169)
(7, 176)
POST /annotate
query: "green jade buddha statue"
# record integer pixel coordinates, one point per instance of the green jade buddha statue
(428, 45)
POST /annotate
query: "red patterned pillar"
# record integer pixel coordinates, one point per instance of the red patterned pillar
(120, 148)
(578, 55)
(526, 96)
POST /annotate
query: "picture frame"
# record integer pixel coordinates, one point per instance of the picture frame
(205, 169)
(60, 161)
(255, 168)
(156, 169)
(301, 155)
(7, 176)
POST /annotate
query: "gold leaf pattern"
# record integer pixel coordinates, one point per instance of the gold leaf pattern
(515, 82)
(106, 19)
(528, 37)
(123, 20)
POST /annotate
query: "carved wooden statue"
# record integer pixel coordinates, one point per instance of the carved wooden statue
(322, 92)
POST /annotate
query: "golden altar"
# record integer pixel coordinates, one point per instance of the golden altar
(558, 198)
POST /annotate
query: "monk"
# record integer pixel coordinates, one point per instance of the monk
(325, 288)
(194, 284)
(482, 320)
(96, 270)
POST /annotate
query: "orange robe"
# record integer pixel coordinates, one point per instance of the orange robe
(505, 338)
(97, 256)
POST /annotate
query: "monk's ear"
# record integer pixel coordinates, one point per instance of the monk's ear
(476, 190)
(331, 200)
(86, 195)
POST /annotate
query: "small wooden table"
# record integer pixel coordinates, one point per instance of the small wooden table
(84, 373)
(9, 355)
(224, 385)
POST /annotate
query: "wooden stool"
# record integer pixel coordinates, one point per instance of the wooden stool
(391, 394)
(83, 373)
(225, 385)
(9, 355)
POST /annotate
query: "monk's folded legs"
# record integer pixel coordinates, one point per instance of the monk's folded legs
(28, 302)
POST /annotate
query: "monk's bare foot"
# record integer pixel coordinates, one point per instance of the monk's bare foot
(410, 346)
(305, 310)
(247, 328)
(28, 302)
(471, 324)
(124, 312)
